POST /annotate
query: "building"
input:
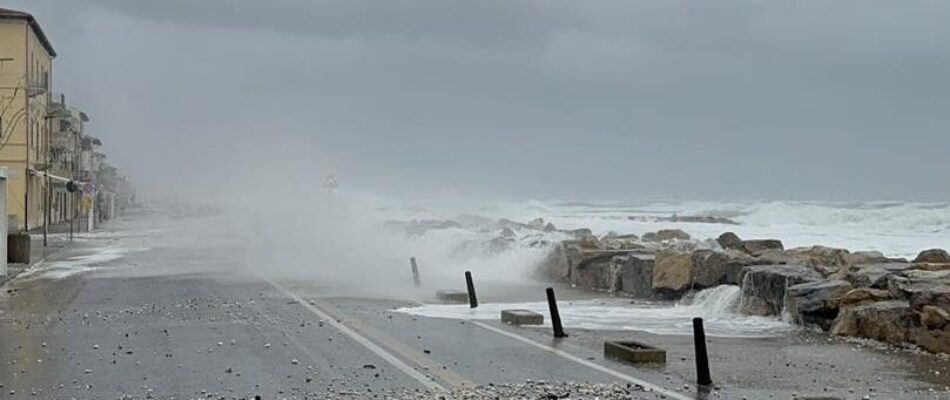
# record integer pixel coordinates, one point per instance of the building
(65, 144)
(26, 64)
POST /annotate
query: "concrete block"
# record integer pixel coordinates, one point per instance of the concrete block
(521, 317)
(634, 352)
(452, 296)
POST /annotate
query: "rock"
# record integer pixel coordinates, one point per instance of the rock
(908, 287)
(885, 321)
(872, 275)
(672, 273)
(565, 257)
(933, 317)
(581, 233)
(764, 286)
(823, 256)
(556, 266)
(861, 296)
(507, 232)
(635, 274)
(675, 272)
(712, 268)
(937, 256)
(619, 243)
(549, 227)
(595, 271)
(826, 260)
(755, 247)
(872, 257)
(537, 223)
(589, 241)
(729, 240)
(670, 234)
(816, 302)
(936, 295)
(935, 341)
(931, 266)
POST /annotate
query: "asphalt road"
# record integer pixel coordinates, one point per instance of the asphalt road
(164, 308)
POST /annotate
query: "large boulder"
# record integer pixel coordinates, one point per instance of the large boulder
(896, 322)
(935, 341)
(924, 286)
(886, 321)
(758, 246)
(672, 273)
(863, 295)
(931, 266)
(566, 255)
(816, 302)
(871, 257)
(871, 275)
(713, 268)
(620, 243)
(764, 286)
(666, 234)
(935, 295)
(823, 256)
(634, 274)
(582, 263)
(827, 260)
(933, 317)
(595, 271)
(675, 273)
(729, 240)
(936, 256)
(581, 232)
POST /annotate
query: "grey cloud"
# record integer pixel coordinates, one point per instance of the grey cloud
(617, 99)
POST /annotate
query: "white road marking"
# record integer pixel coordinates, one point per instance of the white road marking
(379, 351)
(586, 363)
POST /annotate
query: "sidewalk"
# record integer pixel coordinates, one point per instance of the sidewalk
(38, 253)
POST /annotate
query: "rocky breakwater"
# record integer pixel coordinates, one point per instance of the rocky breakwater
(856, 294)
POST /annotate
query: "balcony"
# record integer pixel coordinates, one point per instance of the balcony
(60, 141)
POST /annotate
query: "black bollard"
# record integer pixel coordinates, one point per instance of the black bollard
(415, 272)
(555, 315)
(702, 360)
(472, 300)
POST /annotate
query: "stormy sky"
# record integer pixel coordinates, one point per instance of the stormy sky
(586, 100)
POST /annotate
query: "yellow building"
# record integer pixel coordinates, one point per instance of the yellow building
(26, 57)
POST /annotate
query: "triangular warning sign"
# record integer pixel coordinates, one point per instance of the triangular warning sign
(330, 182)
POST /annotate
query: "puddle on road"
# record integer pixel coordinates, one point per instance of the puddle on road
(716, 306)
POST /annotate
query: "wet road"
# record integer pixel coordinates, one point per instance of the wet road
(170, 309)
